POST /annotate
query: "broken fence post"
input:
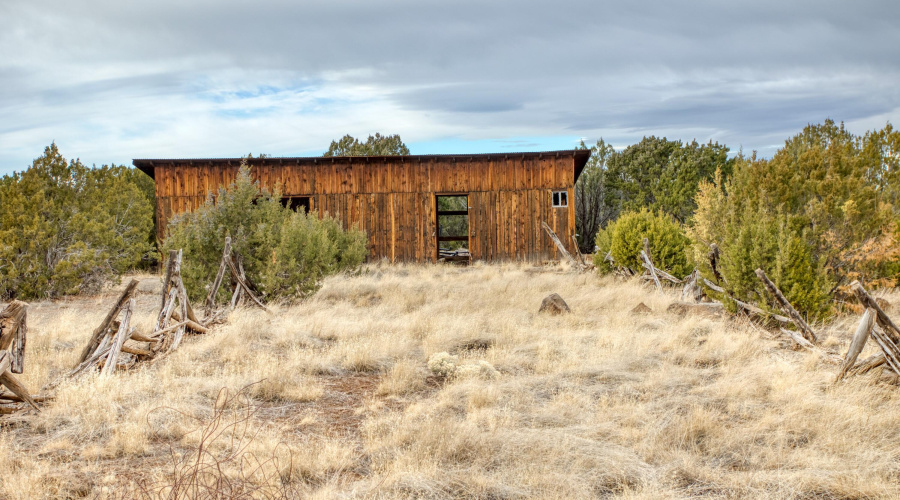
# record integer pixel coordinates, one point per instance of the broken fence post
(858, 342)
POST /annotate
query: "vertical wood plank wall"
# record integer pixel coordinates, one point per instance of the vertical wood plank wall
(393, 198)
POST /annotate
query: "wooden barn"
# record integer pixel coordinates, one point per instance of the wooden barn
(414, 208)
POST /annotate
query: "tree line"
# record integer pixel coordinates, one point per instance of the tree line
(823, 211)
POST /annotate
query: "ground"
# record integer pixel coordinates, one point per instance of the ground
(332, 398)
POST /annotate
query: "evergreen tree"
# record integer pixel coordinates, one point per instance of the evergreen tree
(66, 228)
(377, 145)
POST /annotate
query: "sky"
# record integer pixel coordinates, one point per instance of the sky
(110, 81)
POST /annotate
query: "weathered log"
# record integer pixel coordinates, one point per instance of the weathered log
(197, 327)
(214, 290)
(7, 379)
(118, 341)
(10, 319)
(137, 351)
(562, 248)
(881, 318)
(786, 306)
(857, 343)
(138, 337)
(867, 365)
(888, 347)
(242, 284)
(95, 336)
(11, 396)
(796, 337)
(13, 333)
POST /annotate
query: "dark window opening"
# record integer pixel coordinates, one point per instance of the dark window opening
(296, 203)
(453, 227)
(560, 199)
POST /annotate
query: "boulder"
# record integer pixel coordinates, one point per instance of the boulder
(554, 304)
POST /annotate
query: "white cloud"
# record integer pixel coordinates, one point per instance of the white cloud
(110, 81)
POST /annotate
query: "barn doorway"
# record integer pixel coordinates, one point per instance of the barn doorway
(453, 228)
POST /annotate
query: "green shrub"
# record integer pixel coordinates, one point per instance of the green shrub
(66, 228)
(808, 217)
(624, 239)
(285, 253)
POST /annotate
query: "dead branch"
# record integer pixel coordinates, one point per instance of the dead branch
(786, 306)
(561, 247)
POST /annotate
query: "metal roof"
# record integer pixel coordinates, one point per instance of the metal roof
(147, 165)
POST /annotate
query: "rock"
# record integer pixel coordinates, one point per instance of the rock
(554, 304)
(708, 309)
(641, 309)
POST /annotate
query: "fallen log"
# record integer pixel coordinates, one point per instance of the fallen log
(137, 351)
(867, 365)
(786, 306)
(857, 343)
(796, 337)
(100, 330)
(10, 382)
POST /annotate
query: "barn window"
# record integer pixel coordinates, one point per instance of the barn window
(296, 203)
(560, 199)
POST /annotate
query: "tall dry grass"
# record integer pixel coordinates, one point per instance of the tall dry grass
(338, 402)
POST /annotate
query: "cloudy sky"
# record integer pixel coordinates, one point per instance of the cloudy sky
(110, 80)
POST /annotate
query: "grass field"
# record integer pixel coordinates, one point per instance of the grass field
(332, 398)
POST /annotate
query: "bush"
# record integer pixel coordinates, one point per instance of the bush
(810, 217)
(624, 239)
(285, 253)
(66, 228)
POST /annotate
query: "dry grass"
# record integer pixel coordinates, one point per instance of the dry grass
(339, 401)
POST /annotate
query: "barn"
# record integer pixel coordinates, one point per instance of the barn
(414, 208)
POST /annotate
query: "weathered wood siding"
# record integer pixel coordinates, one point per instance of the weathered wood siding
(393, 198)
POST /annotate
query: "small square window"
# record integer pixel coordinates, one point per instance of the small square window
(560, 199)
